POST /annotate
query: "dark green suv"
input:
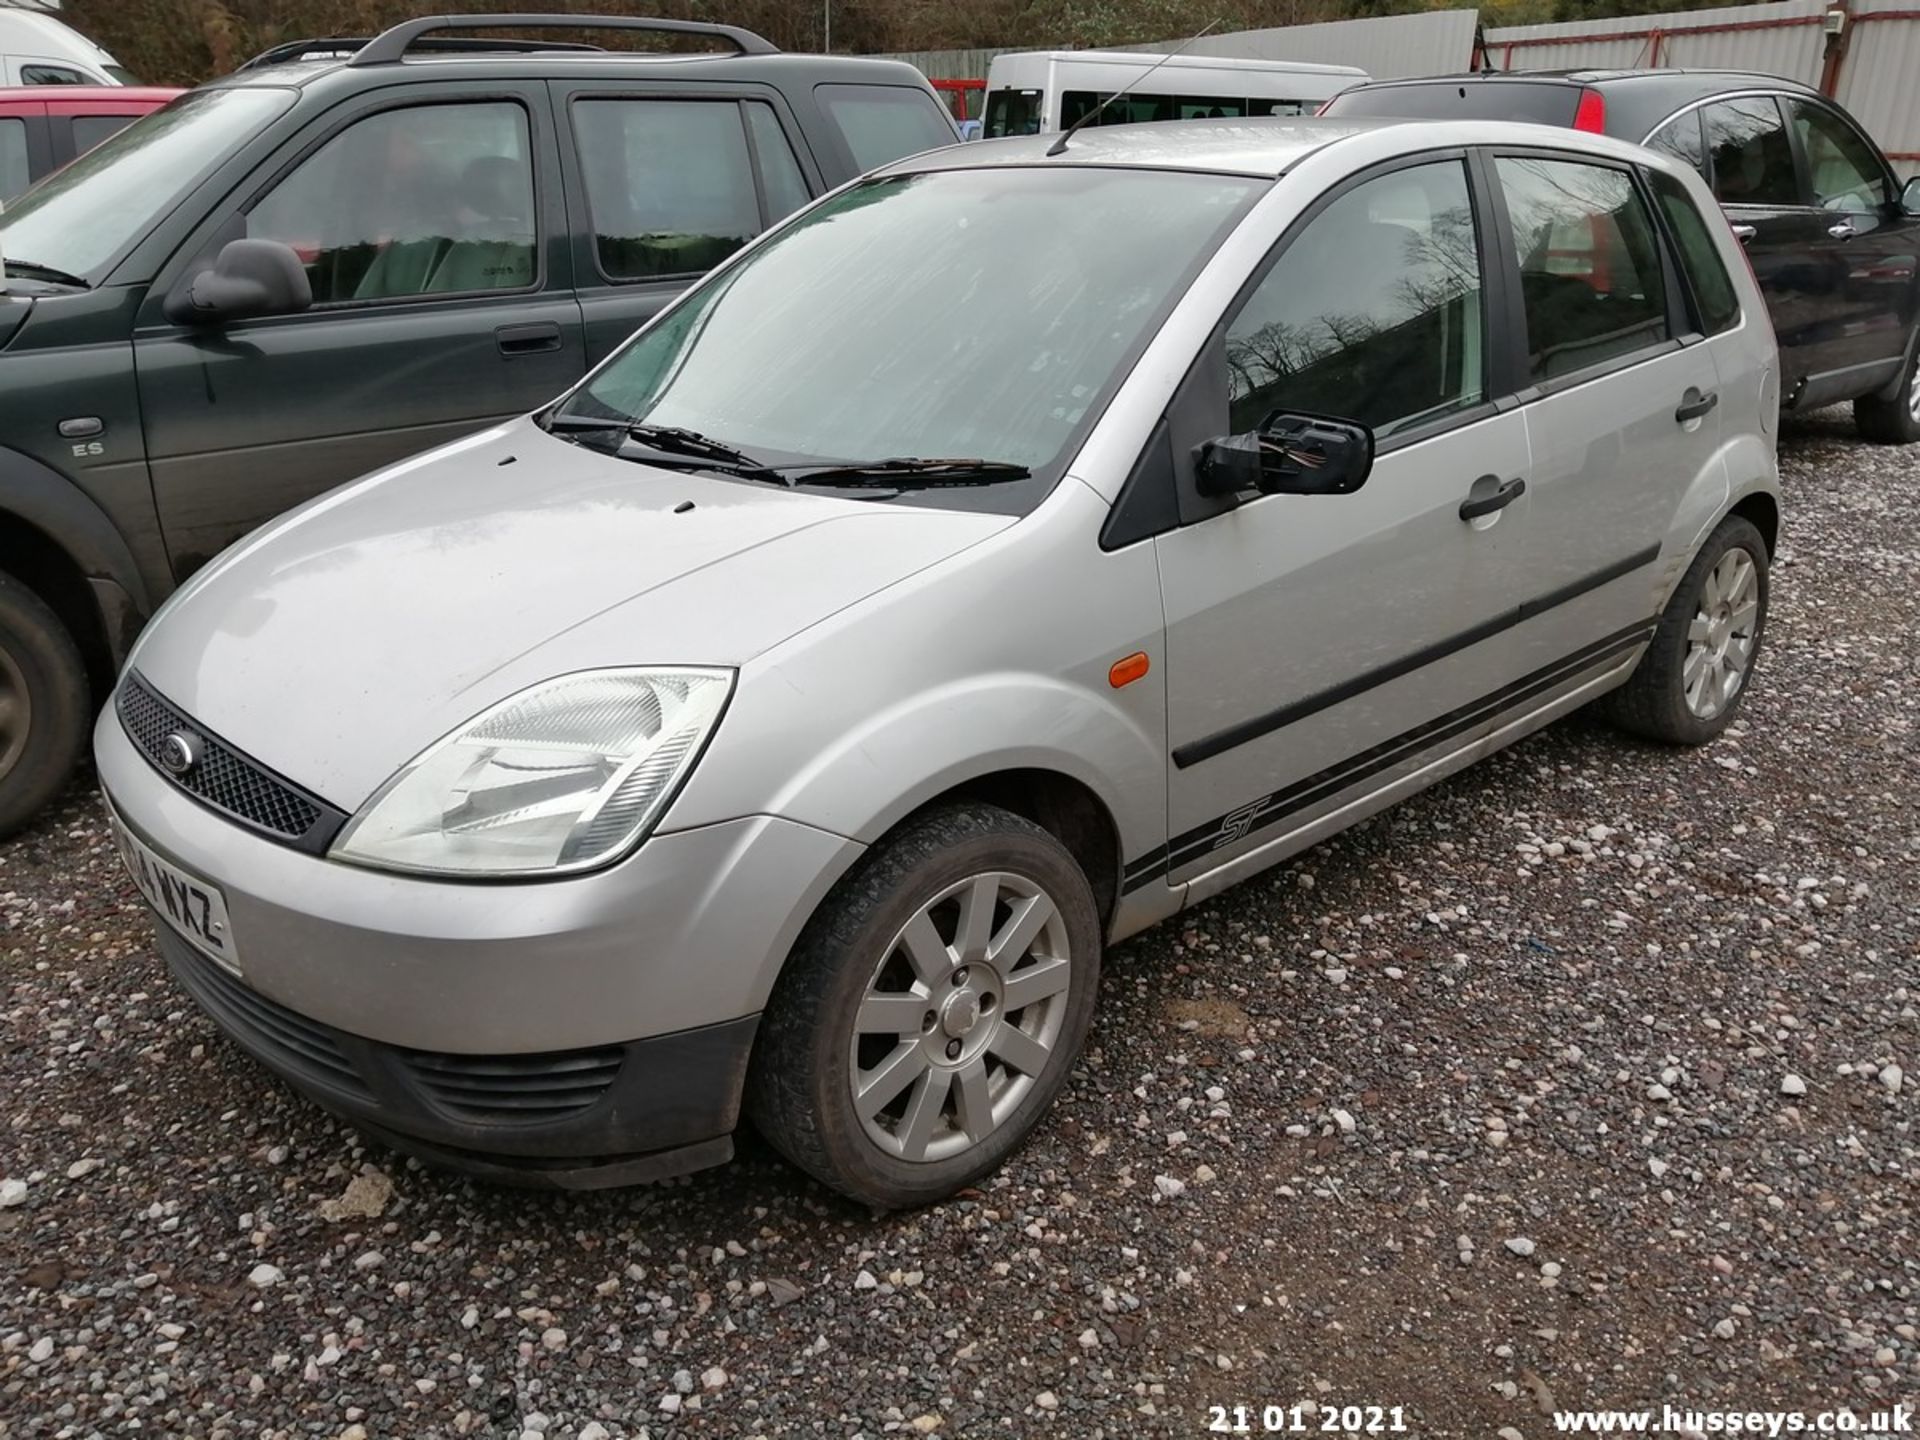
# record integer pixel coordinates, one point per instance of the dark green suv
(345, 253)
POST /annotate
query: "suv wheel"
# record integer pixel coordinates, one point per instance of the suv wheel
(931, 1010)
(1695, 673)
(1895, 421)
(43, 704)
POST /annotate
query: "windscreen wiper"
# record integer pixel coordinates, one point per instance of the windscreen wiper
(33, 269)
(672, 446)
(907, 472)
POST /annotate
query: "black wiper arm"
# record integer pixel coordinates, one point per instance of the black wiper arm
(671, 445)
(908, 472)
(46, 272)
(675, 441)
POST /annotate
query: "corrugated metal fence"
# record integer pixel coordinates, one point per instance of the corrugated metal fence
(1877, 76)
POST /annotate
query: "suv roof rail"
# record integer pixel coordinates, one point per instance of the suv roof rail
(345, 45)
(392, 45)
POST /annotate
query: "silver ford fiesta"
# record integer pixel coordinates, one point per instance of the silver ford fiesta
(1017, 546)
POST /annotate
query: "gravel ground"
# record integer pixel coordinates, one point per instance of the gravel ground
(1574, 1082)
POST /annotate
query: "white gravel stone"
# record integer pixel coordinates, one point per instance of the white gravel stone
(1047, 1400)
(553, 1338)
(864, 1280)
(1792, 1085)
(1892, 1076)
(1345, 1122)
(80, 1169)
(1724, 1329)
(12, 1192)
(42, 1350)
(713, 1379)
(1170, 1186)
(1520, 1245)
(261, 1276)
(592, 1430)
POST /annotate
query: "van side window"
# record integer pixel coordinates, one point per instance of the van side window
(1011, 112)
(668, 182)
(1372, 312)
(1712, 288)
(1589, 267)
(883, 122)
(14, 175)
(51, 75)
(1845, 171)
(1752, 156)
(427, 200)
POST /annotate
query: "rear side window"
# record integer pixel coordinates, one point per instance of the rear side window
(1845, 170)
(14, 176)
(1589, 266)
(1707, 277)
(780, 177)
(1540, 102)
(90, 130)
(51, 75)
(1752, 156)
(669, 184)
(1680, 138)
(883, 122)
(1372, 312)
(428, 200)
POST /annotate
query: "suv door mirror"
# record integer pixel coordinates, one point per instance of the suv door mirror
(1288, 455)
(1910, 197)
(250, 278)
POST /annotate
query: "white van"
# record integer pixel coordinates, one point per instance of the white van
(1044, 90)
(36, 49)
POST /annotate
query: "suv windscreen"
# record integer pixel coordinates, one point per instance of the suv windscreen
(1537, 102)
(978, 313)
(89, 212)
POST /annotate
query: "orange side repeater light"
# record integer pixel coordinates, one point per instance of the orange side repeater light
(1128, 669)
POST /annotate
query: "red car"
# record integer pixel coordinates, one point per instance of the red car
(42, 127)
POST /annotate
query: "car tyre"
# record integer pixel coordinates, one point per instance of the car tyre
(931, 1010)
(1696, 672)
(43, 704)
(1895, 421)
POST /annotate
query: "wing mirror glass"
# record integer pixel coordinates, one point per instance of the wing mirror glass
(249, 278)
(1288, 455)
(1910, 196)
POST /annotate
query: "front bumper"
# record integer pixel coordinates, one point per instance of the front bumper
(578, 1119)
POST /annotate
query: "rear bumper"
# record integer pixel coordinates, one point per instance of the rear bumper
(582, 1119)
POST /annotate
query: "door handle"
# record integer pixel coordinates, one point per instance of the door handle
(1693, 404)
(534, 339)
(1473, 507)
(1842, 230)
(1744, 233)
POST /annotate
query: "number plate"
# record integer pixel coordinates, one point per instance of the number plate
(189, 904)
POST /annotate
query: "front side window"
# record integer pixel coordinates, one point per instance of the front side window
(90, 130)
(1589, 264)
(1680, 138)
(1372, 312)
(669, 183)
(1751, 154)
(881, 123)
(1700, 259)
(14, 175)
(980, 313)
(1012, 112)
(426, 200)
(1845, 170)
(86, 213)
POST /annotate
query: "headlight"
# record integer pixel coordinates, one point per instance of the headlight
(563, 776)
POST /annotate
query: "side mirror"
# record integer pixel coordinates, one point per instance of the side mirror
(1288, 455)
(1910, 197)
(250, 278)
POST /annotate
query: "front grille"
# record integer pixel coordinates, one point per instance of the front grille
(224, 779)
(516, 1087)
(284, 1037)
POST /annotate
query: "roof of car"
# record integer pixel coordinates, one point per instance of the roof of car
(1599, 77)
(1256, 147)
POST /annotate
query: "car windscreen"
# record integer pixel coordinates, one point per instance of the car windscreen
(79, 218)
(984, 313)
(1536, 102)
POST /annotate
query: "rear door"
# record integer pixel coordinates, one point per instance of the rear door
(1756, 179)
(663, 183)
(1621, 399)
(432, 229)
(1863, 240)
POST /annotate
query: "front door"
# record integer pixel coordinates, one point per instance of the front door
(665, 183)
(1321, 644)
(432, 233)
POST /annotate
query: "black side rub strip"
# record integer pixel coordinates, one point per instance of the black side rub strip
(1221, 741)
(1271, 809)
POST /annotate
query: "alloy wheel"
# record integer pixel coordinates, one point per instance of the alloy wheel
(960, 1016)
(1913, 392)
(1720, 641)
